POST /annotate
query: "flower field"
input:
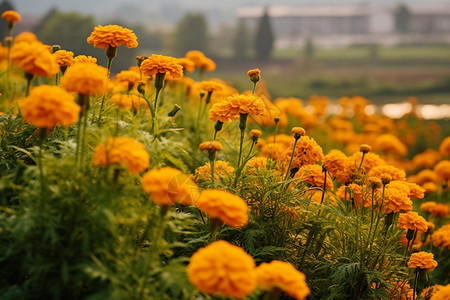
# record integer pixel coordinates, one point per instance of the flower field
(161, 182)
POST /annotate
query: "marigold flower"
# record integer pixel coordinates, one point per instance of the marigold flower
(254, 75)
(123, 100)
(11, 16)
(221, 168)
(370, 161)
(339, 165)
(443, 170)
(85, 59)
(412, 221)
(441, 237)
(247, 104)
(284, 276)
(49, 105)
(210, 86)
(167, 186)
(34, 58)
(443, 293)
(355, 194)
(395, 173)
(374, 182)
(211, 147)
(401, 290)
(130, 77)
(426, 159)
(428, 206)
(162, 64)
(444, 147)
(396, 198)
(64, 58)
(107, 36)
(313, 175)
(365, 148)
(422, 260)
(85, 78)
(307, 152)
(229, 208)
(25, 37)
(123, 151)
(223, 112)
(187, 64)
(298, 132)
(426, 176)
(255, 134)
(257, 162)
(430, 187)
(391, 144)
(224, 269)
(440, 210)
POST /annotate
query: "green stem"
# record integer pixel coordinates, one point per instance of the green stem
(83, 138)
(324, 186)
(362, 159)
(416, 277)
(251, 148)
(290, 161)
(240, 147)
(212, 172)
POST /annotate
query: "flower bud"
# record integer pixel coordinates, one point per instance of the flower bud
(174, 110)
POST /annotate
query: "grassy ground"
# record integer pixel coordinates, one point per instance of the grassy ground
(389, 75)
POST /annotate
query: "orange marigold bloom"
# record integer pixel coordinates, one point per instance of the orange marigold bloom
(426, 159)
(254, 75)
(210, 146)
(257, 162)
(307, 152)
(443, 293)
(130, 77)
(25, 37)
(370, 161)
(123, 151)
(282, 275)
(64, 58)
(255, 133)
(365, 148)
(396, 174)
(201, 61)
(124, 100)
(422, 260)
(298, 132)
(210, 86)
(440, 210)
(443, 170)
(356, 194)
(248, 104)
(229, 208)
(276, 151)
(391, 144)
(441, 237)
(444, 147)
(85, 78)
(223, 269)
(401, 290)
(428, 206)
(162, 64)
(11, 16)
(107, 36)
(221, 168)
(223, 112)
(396, 198)
(339, 165)
(411, 220)
(48, 105)
(34, 58)
(187, 64)
(426, 176)
(313, 175)
(167, 186)
(85, 59)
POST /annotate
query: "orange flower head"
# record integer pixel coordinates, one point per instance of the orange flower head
(123, 151)
(167, 186)
(370, 161)
(64, 58)
(440, 210)
(313, 175)
(339, 165)
(210, 146)
(85, 78)
(423, 260)
(307, 152)
(443, 293)
(355, 194)
(441, 237)
(48, 105)
(374, 182)
(254, 75)
(247, 104)
(187, 64)
(11, 16)
(443, 170)
(210, 86)
(104, 37)
(255, 134)
(222, 269)
(444, 147)
(162, 64)
(229, 208)
(25, 37)
(223, 112)
(389, 143)
(34, 58)
(428, 206)
(85, 59)
(365, 148)
(298, 132)
(396, 198)
(396, 174)
(124, 100)
(282, 275)
(411, 220)
(221, 168)
(257, 162)
(130, 77)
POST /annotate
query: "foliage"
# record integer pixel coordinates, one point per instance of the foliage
(264, 38)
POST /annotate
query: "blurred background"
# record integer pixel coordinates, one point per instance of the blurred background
(383, 50)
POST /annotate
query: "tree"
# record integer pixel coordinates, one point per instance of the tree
(264, 37)
(309, 48)
(402, 19)
(241, 40)
(191, 34)
(4, 6)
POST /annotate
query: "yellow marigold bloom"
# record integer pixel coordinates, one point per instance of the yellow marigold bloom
(339, 165)
(210, 86)
(187, 64)
(11, 16)
(358, 196)
(34, 58)
(298, 132)
(221, 168)
(229, 208)
(64, 58)
(210, 146)
(107, 36)
(85, 59)
(440, 210)
(422, 260)
(391, 144)
(247, 104)
(167, 186)
(415, 191)
(223, 112)
(374, 182)
(130, 77)
(162, 64)
(395, 173)
(282, 275)
(255, 133)
(365, 148)
(411, 220)
(123, 151)
(85, 78)
(443, 170)
(222, 269)
(307, 152)
(313, 175)
(444, 147)
(443, 293)
(48, 105)
(441, 237)
(25, 37)
(428, 206)
(396, 198)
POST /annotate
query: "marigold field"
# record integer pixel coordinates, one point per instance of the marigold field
(160, 182)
